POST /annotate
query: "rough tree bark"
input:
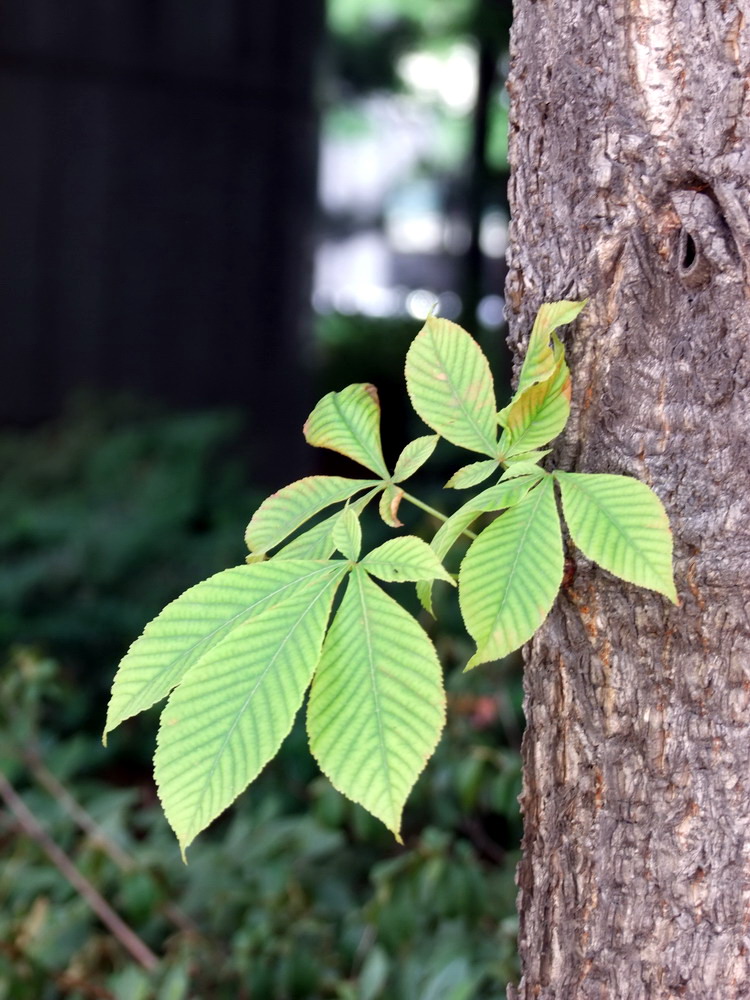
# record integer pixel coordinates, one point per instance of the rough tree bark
(631, 184)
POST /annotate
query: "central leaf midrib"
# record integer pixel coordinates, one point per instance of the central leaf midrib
(360, 575)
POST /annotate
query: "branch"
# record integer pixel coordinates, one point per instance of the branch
(31, 827)
(124, 861)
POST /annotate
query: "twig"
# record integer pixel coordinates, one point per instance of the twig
(32, 828)
(77, 813)
(124, 861)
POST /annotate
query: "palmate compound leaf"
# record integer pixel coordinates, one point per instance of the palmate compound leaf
(290, 507)
(195, 622)
(377, 704)
(238, 702)
(349, 422)
(504, 494)
(511, 574)
(621, 524)
(414, 455)
(541, 359)
(450, 386)
(405, 559)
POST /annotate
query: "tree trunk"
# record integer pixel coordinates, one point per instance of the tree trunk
(631, 184)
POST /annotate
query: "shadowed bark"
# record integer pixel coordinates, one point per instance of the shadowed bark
(631, 171)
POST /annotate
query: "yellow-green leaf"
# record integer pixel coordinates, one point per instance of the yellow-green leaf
(349, 422)
(621, 524)
(518, 469)
(527, 458)
(472, 475)
(237, 703)
(195, 622)
(504, 494)
(377, 705)
(405, 559)
(286, 510)
(317, 542)
(414, 455)
(450, 385)
(347, 534)
(511, 574)
(541, 360)
(537, 414)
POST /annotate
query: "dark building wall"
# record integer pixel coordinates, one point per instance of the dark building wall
(156, 196)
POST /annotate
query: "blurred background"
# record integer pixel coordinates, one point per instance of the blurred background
(213, 213)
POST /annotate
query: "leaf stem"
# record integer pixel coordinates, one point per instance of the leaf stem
(435, 513)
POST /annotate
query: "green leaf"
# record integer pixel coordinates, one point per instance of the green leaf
(526, 458)
(541, 360)
(347, 534)
(349, 422)
(414, 455)
(450, 385)
(621, 524)
(517, 469)
(507, 493)
(511, 575)
(317, 542)
(377, 705)
(390, 501)
(504, 494)
(537, 414)
(472, 475)
(503, 414)
(237, 703)
(403, 559)
(284, 511)
(195, 622)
